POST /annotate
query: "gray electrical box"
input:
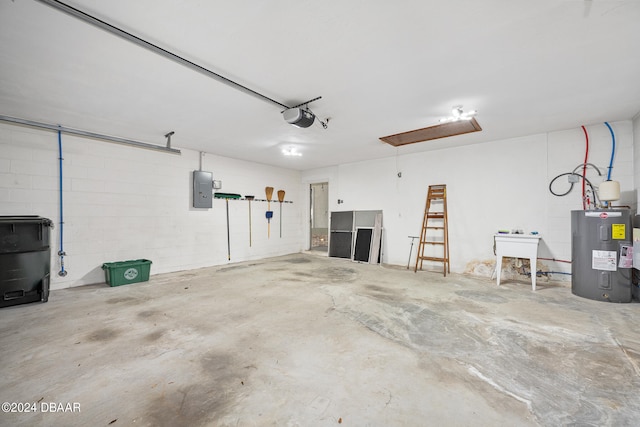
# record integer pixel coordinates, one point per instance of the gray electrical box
(202, 189)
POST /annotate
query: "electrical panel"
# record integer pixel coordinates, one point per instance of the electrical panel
(202, 189)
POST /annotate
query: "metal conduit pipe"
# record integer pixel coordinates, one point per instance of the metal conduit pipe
(154, 48)
(88, 134)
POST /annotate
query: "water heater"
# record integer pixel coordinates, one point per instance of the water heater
(602, 254)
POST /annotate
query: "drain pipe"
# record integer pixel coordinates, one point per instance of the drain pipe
(61, 252)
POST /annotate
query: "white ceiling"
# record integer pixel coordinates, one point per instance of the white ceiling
(381, 67)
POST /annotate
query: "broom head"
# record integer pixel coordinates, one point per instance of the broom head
(269, 192)
(281, 196)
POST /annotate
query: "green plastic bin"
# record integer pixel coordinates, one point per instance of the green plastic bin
(126, 272)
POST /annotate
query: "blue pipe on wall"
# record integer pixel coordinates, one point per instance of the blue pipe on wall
(61, 253)
(613, 150)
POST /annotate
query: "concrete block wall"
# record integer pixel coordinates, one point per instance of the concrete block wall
(491, 186)
(123, 203)
(127, 203)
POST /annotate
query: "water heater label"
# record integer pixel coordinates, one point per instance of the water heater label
(626, 255)
(618, 231)
(604, 260)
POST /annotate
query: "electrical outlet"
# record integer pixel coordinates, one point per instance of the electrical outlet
(573, 178)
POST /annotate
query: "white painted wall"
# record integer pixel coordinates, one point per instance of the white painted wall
(126, 203)
(636, 157)
(123, 203)
(490, 186)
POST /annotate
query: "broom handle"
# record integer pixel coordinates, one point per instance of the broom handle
(281, 220)
(228, 235)
(281, 194)
(269, 193)
(249, 223)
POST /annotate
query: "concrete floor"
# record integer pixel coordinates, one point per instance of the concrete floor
(305, 340)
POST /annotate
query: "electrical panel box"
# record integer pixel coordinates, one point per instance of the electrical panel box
(202, 189)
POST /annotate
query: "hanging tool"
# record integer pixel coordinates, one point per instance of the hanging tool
(281, 199)
(249, 199)
(411, 249)
(269, 192)
(226, 197)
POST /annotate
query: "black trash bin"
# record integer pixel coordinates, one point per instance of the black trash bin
(25, 259)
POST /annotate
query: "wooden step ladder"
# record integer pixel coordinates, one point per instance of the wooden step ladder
(435, 231)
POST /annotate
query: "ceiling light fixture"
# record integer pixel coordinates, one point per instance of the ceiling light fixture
(291, 151)
(458, 114)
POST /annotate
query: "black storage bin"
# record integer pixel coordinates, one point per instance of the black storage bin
(25, 259)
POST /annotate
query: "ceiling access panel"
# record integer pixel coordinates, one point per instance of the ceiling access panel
(443, 130)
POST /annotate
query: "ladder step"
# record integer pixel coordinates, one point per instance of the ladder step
(434, 228)
(433, 243)
(431, 258)
(435, 215)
